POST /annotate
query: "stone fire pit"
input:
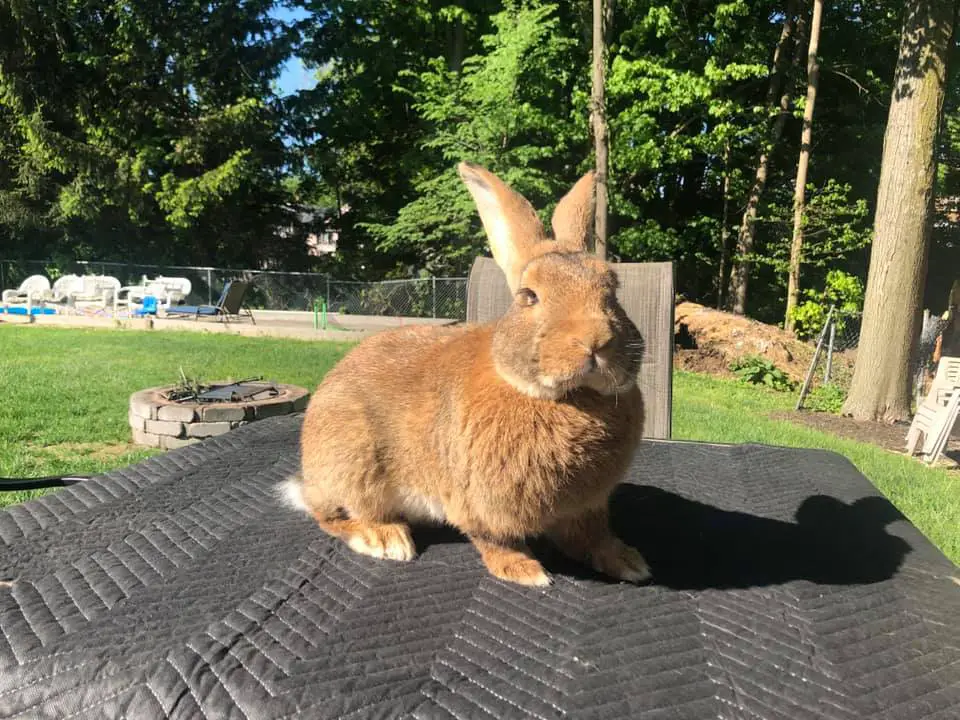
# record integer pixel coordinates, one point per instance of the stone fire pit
(159, 419)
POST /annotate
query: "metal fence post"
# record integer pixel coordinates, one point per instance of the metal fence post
(327, 295)
(813, 363)
(434, 278)
(209, 286)
(833, 336)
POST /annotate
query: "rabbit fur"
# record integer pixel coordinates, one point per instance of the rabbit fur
(508, 430)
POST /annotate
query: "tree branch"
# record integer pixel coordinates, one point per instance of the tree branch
(861, 88)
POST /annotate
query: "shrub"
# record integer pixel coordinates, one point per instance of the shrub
(842, 290)
(761, 371)
(826, 398)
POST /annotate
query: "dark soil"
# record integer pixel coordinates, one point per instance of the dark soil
(709, 361)
(889, 437)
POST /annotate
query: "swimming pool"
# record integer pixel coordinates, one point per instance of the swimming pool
(22, 310)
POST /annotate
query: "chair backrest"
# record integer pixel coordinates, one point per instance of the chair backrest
(176, 288)
(946, 381)
(67, 284)
(34, 285)
(155, 289)
(948, 372)
(95, 285)
(108, 282)
(646, 294)
(231, 300)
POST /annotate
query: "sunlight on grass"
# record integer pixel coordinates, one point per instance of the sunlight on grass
(66, 392)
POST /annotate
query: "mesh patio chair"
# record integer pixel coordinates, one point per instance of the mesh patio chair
(230, 305)
(646, 294)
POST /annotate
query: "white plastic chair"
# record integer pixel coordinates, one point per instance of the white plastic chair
(938, 412)
(95, 290)
(64, 286)
(167, 290)
(177, 288)
(35, 289)
(132, 295)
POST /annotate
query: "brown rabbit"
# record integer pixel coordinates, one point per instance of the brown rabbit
(506, 431)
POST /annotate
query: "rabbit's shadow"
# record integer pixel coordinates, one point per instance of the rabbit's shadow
(694, 546)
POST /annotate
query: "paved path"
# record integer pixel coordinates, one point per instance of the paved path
(270, 323)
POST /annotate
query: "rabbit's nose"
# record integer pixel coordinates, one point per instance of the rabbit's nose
(595, 347)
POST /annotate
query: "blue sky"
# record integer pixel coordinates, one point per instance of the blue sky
(294, 76)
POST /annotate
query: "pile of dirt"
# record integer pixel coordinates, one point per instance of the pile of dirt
(708, 340)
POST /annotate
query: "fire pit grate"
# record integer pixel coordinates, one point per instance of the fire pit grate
(238, 392)
(250, 389)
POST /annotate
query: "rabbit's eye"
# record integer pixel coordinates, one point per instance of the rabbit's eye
(527, 296)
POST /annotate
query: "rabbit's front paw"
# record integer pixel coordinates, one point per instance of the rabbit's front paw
(621, 561)
(513, 564)
(524, 571)
(391, 541)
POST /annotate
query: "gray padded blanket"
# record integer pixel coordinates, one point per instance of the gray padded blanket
(786, 587)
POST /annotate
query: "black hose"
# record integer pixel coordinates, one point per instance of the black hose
(20, 484)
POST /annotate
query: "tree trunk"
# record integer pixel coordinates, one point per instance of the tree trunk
(806, 140)
(880, 389)
(724, 227)
(740, 273)
(599, 123)
(457, 43)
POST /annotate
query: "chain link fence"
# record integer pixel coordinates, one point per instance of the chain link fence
(831, 369)
(924, 366)
(275, 290)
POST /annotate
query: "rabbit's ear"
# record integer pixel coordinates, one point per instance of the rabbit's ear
(574, 216)
(513, 228)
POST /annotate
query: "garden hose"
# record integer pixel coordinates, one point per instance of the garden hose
(20, 484)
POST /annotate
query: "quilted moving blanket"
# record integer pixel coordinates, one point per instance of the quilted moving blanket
(785, 587)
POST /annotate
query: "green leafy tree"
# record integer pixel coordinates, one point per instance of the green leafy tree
(359, 132)
(686, 103)
(842, 291)
(500, 111)
(152, 132)
(143, 131)
(835, 226)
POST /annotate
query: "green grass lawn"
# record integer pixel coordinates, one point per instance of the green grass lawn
(64, 394)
